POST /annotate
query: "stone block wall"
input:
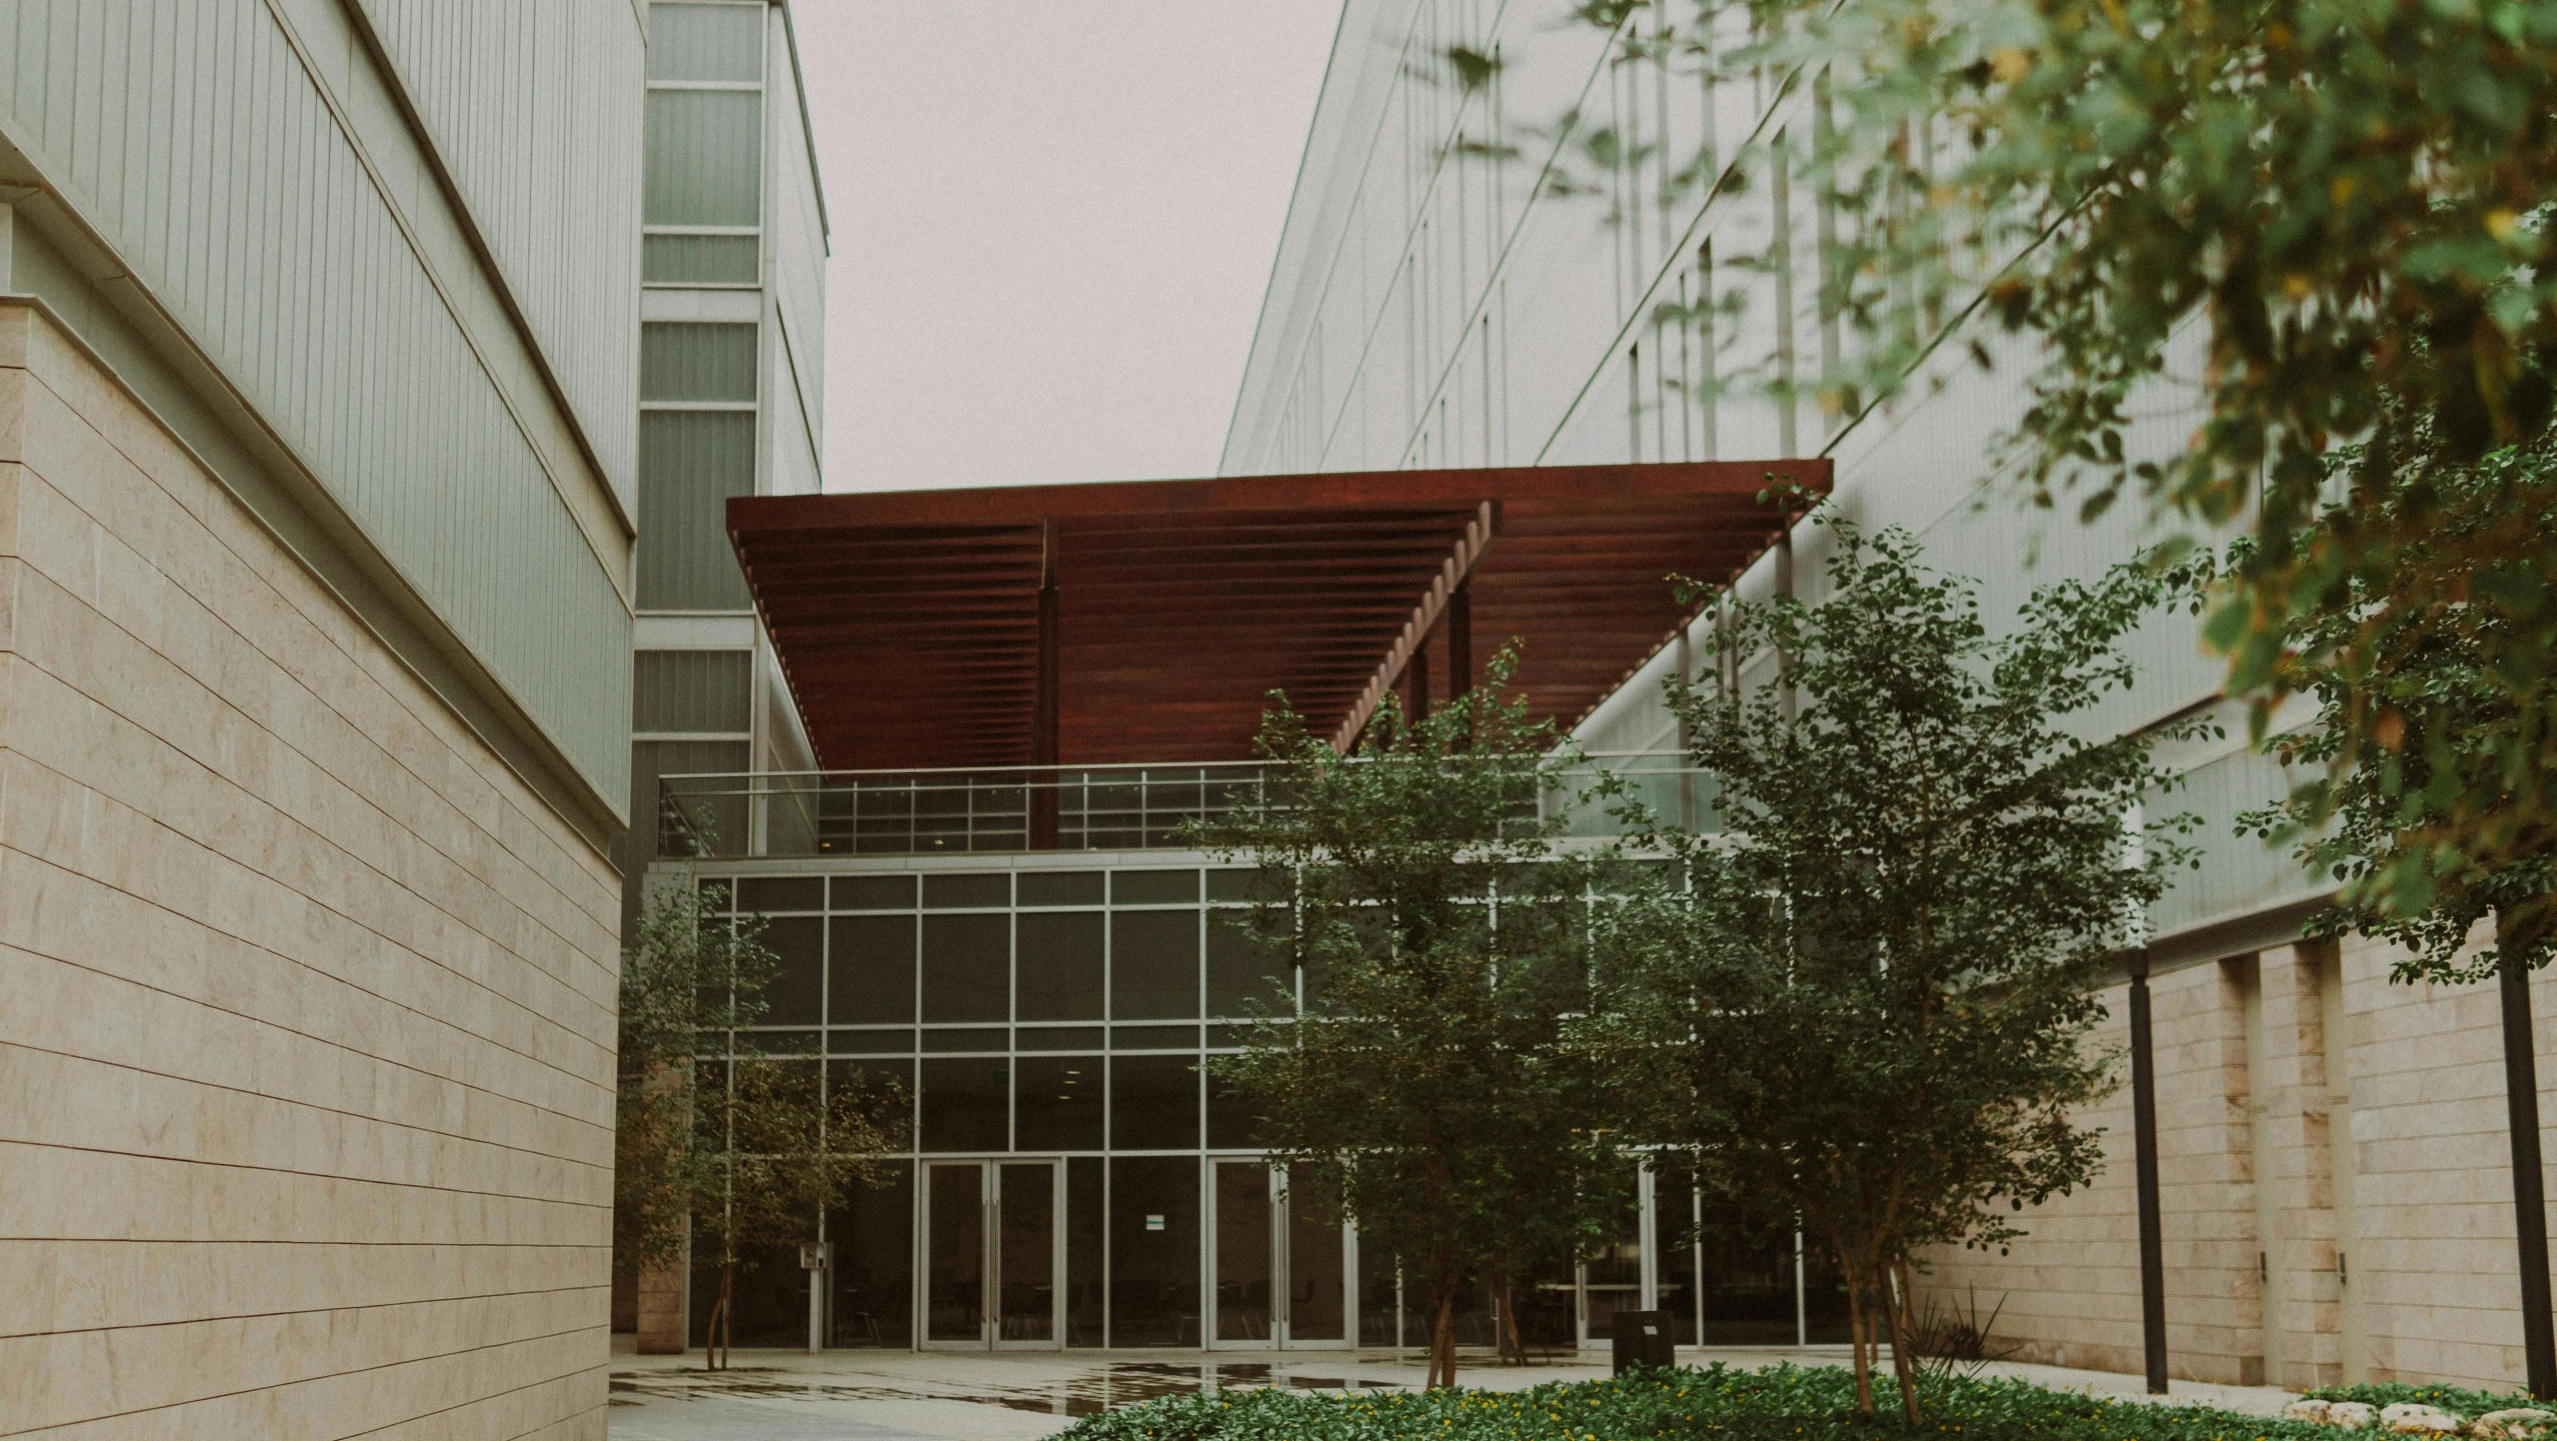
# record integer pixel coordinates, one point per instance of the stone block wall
(2335, 1185)
(306, 1000)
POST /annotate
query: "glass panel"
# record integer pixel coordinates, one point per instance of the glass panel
(1061, 888)
(957, 892)
(1747, 1285)
(1154, 965)
(785, 1043)
(1242, 1251)
(972, 1038)
(690, 463)
(966, 1105)
(954, 1254)
(1377, 1298)
(1083, 1250)
(1674, 1234)
(1154, 1103)
(882, 1041)
(874, 1264)
(796, 995)
(704, 158)
(706, 42)
(1231, 885)
(874, 893)
(1154, 1038)
(872, 963)
(1547, 1304)
(692, 690)
(1245, 976)
(1824, 1296)
(1317, 1308)
(1154, 888)
(1154, 1251)
(1057, 1103)
(1231, 1122)
(1614, 1276)
(1060, 964)
(1058, 1038)
(967, 968)
(685, 361)
(1027, 1255)
(699, 259)
(781, 893)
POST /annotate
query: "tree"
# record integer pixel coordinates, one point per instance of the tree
(2342, 205)
(1867, 1010)
(1415, 885)
(744, 1151)
(785, 1144)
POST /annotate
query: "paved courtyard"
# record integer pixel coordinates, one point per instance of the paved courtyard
(1019, 1395)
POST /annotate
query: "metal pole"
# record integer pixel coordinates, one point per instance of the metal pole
(2530, 1202)
(2144, 1142)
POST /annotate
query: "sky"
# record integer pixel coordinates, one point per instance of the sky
(1053, 221)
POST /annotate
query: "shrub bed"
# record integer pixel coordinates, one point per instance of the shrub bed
(1681, 1404)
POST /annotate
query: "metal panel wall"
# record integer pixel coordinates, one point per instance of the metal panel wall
(192, 136)
(532, 108)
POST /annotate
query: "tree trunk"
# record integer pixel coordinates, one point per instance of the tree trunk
(1442, 1341)
(1904, 1339)
(716, 1343)
(1859, 1332)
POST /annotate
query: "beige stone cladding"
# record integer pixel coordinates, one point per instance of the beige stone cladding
(306, 1001)
(2334, 1182)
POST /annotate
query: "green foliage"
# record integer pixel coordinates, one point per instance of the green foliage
(2468, 1405)
(1867, 1012)
(2428, 800)
(686, 971)
(1421, 1090)
(2334, 215)
(1714, 1404)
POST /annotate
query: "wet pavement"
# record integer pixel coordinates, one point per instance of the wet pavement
(1021, 1395)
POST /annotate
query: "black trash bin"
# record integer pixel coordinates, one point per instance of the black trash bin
(1642, 1338)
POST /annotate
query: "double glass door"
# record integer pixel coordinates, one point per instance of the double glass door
(994, 1271)
(1280, 1274)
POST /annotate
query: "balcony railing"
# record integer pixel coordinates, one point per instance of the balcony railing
(1061, 808)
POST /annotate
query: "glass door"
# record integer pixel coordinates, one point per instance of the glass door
(993, 1268)
(1280, 1277)
(1029, 1196)
(954, 1254)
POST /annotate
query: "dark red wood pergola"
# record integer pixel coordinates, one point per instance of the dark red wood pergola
(1148, 621)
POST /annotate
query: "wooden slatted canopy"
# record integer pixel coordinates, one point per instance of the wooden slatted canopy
(1148, 621)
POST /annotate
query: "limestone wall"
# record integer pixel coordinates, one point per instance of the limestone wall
(306, 1002)
(2334, 1177)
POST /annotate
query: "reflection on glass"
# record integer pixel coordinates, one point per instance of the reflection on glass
(1154, 1251)
(1242, 1251)
(1027, 1254)
(1060, 965)
(1154, 965)
(1056, 1103)
(1316, 1307)
(967, 968)
(874, 1264)
(954, 1254)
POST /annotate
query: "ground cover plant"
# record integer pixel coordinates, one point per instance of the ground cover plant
(1714, 1404)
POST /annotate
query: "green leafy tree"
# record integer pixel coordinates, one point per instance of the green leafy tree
(2417, 696)
(733, 1153)
(1421, 1089)
(2332, 214)
(1867, 1011)
(784, 1145)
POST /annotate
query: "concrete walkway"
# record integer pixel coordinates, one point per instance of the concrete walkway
(1019, 1395)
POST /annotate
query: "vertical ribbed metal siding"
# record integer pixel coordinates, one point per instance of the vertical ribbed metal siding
(534, 108)
(189, 135)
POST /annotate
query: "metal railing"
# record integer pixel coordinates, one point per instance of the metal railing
(756, 814)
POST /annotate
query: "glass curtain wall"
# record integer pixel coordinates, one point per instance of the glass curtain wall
(1077, 1180)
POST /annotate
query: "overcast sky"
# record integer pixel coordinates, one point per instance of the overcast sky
(1053, 221)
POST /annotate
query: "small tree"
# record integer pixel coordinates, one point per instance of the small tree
(1441, 936)
(785, 1145)
(747, 1151)
(1867, 1010)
